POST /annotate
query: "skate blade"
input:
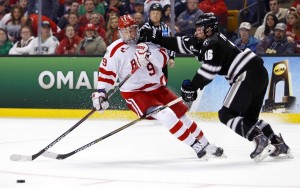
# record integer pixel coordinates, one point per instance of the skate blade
(284, 156)
(265, 153)
(219, 157)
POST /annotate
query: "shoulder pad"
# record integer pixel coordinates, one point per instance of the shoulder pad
(115, 46)
(210, 41)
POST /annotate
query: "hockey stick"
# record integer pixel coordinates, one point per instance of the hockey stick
(52, 155)
(17, 157)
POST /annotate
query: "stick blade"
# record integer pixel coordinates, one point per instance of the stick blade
(16, 157)
(50, 154)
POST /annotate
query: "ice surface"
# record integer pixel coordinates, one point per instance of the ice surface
(144, 155)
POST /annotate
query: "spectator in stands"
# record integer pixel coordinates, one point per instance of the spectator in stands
(112, 11)
(187, 18)
(32, 21)
(49, 8)
(92, 43)
(139, 8)
(5, 43)
(63, 21)
(180, 6)
(100, 7)
(296, 30)
(63, 7)
(70, 43)
(139, 19)
(112, 32)
(49, 43)
(296, 6)
(291, 19)
(280, 13)
(129, 6)
(73, 20)
(219, 8)
(276, 43)
(267, 28)
(95, 20)
(23, 4)
(23, 46)
(12, 23)
(166, 13)
(119, 5)
(3, 8)
(246, 40)
(89, 7)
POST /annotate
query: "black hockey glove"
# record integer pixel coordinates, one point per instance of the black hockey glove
(188, 92)
(150, 35)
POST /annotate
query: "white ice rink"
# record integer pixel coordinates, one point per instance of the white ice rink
(144, 155)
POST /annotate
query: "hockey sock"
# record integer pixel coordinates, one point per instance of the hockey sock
(194, 129)
(169, 119)
(243, 127)
(268, 131)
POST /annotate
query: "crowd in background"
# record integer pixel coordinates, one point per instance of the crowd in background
(84, 27)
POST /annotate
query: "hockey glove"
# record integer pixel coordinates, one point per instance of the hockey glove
(188, 92)
(142, 54)
(150, 35)
(100, 100)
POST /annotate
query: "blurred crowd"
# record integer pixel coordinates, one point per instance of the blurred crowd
(84, 27)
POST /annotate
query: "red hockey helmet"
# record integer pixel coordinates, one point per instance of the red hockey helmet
(128, 29)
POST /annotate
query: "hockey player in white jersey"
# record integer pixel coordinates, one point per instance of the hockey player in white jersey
(145, 90)
(49, 42)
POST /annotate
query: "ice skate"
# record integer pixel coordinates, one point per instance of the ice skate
(200, 150)
(282, 151)
(214, 150)
(263, 148)
(205, 152)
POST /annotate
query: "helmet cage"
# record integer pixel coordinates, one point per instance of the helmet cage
(126, 34)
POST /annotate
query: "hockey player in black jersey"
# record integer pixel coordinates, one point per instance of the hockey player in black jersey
(244, 71)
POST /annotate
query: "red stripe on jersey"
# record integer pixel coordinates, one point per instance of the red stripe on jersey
(184, 135)
(176, 127)
(110, 81)
(146, 86)
(193, 127)
(113, 51)
(108, 73)
(163, 52)
(199, 136)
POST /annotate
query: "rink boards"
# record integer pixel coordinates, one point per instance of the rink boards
(129, 115)
(60, 87)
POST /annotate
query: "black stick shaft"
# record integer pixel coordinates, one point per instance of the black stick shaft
(63, 156)
(83, 119)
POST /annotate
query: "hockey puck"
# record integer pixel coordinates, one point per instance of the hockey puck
(20, 181)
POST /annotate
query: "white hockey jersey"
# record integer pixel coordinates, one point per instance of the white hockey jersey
(118, 62)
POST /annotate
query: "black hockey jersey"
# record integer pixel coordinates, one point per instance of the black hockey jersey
(217, 54)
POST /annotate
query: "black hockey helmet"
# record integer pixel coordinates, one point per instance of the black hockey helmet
(207, 20)
(156, 6)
